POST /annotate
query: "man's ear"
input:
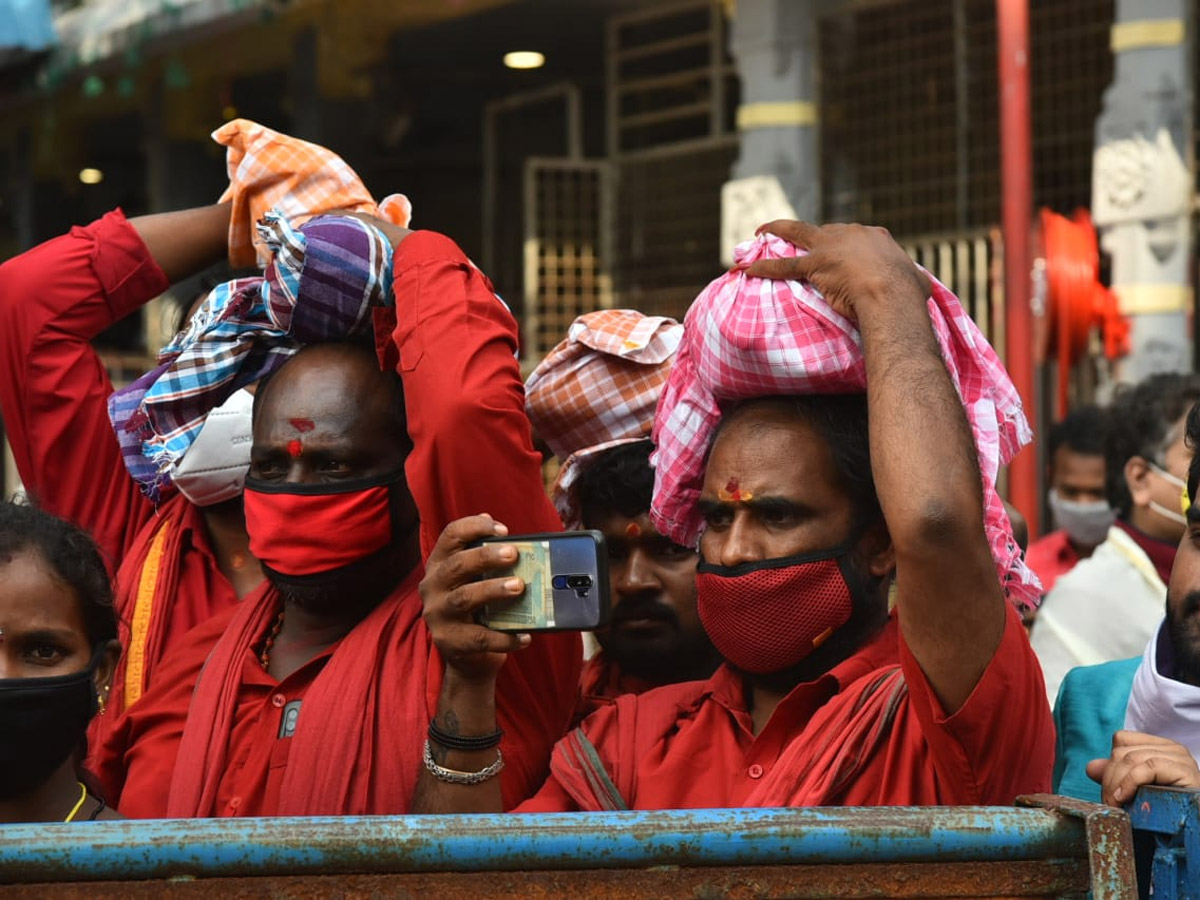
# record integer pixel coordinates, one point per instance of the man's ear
(878, 551)
(1137, 479)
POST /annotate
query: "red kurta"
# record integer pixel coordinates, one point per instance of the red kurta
(870, 732)
(344, 751)
(54, 300)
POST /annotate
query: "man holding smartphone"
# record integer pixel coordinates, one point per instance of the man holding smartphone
(592, 401)
(807, 503)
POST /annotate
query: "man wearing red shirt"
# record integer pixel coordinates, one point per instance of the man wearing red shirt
(176, 564)
(1077, 496)
(315, 696)
(811, 504)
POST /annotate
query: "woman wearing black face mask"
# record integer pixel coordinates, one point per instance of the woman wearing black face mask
(58, 648)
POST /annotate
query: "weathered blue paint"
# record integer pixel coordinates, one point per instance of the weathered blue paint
(166, 848)
(1173, 817)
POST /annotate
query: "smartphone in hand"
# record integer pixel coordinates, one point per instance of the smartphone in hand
(566, 583)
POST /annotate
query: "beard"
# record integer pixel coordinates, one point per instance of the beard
(351, 590)
(868, 616)
(1183, 628)
(666, 655)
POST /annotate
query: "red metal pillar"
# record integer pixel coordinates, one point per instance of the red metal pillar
(1016, 191)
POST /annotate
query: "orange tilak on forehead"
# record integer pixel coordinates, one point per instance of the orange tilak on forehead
(732, 494)
(633, 530)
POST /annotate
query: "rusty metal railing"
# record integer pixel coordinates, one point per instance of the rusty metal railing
(829, 852)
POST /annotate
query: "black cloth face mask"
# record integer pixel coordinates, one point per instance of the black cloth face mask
(42, 722)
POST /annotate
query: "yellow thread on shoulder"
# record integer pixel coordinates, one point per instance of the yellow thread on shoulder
(143, 608)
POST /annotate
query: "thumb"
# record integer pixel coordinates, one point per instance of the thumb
(1095, 769)
(796, 268)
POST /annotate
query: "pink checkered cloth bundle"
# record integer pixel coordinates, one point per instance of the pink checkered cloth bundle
(597, 389)
(272, 171)
(750, 337)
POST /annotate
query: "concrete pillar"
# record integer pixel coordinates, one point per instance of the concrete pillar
(778, 170)
(1142, 181)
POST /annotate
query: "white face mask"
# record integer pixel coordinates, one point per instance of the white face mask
(214, 468)
(1171, 515)
(1086, 524)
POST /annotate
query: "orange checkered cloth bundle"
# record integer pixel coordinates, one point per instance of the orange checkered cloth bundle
(598, 389)
(272, 171)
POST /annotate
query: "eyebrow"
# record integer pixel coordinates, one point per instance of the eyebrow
(46, 634)
(769, 504)
(1193, 514)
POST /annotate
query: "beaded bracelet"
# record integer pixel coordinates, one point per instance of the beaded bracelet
(459, 742)
(453, 776)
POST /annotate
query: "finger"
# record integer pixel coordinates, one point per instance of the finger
(1167, 771)
(469, 640)
(796, 268)
(465, 566)
(462, 603)
(1126, 738)
(802, 234)
(462, 532)
(1095, 769)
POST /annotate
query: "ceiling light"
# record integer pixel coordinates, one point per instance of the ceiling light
(91, 176)
(524, 59)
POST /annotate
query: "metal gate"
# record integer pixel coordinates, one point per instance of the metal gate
(567, 250)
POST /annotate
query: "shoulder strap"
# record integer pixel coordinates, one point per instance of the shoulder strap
(581, 753)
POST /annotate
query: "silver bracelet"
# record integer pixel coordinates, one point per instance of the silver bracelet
(453, 776)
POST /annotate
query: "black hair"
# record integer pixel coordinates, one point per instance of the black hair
(841, 420)
(1081, 430)
(618, 481)
(1139, 424)
(1191, 437)
(72, 557)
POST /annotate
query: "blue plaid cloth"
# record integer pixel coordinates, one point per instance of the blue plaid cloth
(321, 285)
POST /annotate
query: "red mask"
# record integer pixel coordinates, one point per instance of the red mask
(768, 616)
(307, 529)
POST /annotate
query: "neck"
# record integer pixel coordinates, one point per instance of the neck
(226, 524)
(50, 801)
(763, 701)
(1083, 551)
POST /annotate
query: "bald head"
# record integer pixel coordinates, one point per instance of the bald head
(329, 413)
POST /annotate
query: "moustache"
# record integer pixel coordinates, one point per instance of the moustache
(631, 609)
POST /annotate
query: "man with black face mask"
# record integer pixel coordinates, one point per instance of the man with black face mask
(807, 504)
(313, 696)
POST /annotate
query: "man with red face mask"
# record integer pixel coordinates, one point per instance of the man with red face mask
(314, 695)
(807, 504)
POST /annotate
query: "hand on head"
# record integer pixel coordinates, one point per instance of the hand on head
(452, 594)
(844, 262)
(1140, 759)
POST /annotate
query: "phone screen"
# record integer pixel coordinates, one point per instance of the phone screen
(566, 583)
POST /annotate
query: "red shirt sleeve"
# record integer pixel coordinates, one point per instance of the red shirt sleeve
(473, 453)
(1000, 743)
(54, 389)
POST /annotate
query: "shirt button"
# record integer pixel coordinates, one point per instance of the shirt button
(755, 771)
(278, 700)
(235, 802)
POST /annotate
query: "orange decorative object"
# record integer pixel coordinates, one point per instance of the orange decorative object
(1075, 301)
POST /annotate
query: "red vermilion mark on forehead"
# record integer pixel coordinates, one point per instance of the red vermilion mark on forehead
(732, 494)
(295, 448)
(633, 530)
(302, 425)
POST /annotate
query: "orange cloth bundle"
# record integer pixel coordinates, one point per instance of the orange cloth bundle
(269, 170)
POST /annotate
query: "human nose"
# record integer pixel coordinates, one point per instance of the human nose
(636, 574)
(738, 543)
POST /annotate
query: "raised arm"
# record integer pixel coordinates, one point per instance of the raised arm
(54, 299)
(473, 453)
(948, 597)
